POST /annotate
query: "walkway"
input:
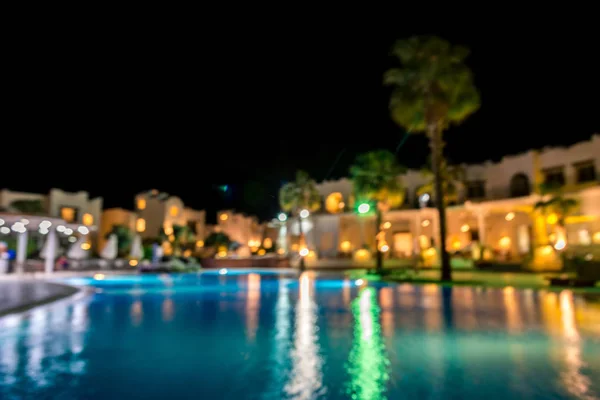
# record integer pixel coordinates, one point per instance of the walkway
(16, 296)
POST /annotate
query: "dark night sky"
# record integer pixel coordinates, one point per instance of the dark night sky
(118, 111)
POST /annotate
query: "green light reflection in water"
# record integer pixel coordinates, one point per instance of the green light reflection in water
(368, 365)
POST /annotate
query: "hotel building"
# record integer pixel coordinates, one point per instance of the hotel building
(494, 207)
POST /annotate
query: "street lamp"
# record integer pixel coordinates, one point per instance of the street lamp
(304, 213)
(282, 217)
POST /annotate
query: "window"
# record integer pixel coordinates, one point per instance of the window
(141, 204)
(334, 203)
(476, 189)
(87, 219)
(554, 176)
(585, 171)
(69, 214)
(140, 225)
(519, 185)
(173, 211)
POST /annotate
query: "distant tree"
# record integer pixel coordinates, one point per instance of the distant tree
(376, 179)
(218, 239)
(28, 206)
(124, 238)
(302, 194)
(433, 89)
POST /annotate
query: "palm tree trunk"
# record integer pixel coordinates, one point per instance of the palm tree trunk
(302, 264)
(435, 143)
(377, 239)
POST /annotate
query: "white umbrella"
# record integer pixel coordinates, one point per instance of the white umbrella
(109, 252)
(44, 251)
(76, 252)
(137, 252)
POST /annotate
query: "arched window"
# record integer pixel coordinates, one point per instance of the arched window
(519, 185)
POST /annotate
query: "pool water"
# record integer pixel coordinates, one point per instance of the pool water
(272, 336)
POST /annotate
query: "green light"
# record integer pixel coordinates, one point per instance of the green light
(364, 208)
(368, 365)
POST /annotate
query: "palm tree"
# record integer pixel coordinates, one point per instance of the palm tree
(432, 89)
(302, 194)
(376, 178)
(555, 203)
(453, 177)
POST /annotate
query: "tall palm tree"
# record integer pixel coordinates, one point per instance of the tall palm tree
(453, 177)
(432, 89)
(302, 194)
(376, 178)
(554, 202)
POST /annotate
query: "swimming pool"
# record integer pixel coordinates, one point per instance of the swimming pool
(265, 335)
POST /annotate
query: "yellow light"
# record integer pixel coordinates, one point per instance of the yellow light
(334, 202)
(187, 253)
(295, 247)
(345, 246)
(280, 251)
(552, 219)
(304, 252)
(465, 228)
(311, 256)
(222, 254)
(222, 248)
(140, 225)
(510, 216)
(456, 244)
(173, 211)
(86, 246)
(224, 217)
(504, 242)
(387, 225)
(141, 204)
(547, 249)
(425, 223)
(254, 249)
(267, 243)
(552, 237)
(384, 248)
(362, 255)
(200, 243)
(67, 213)
(99, 277)
(171, 237)
(596, 238)
(133, 263)
(87, 219)
(168, 230)
(262, 252)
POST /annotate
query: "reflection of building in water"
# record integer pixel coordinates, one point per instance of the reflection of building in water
(306, 377)
(252, 305)
(432, 307)
(575, 381)
(368, 364)
(513, 314)
(281, 351)
(136, 312)
(386, 299)
(168, 309)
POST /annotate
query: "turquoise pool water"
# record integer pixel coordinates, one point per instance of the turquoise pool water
(270, 336)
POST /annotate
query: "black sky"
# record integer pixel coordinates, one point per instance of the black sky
(119, 110)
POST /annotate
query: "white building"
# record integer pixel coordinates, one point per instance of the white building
(494, 206)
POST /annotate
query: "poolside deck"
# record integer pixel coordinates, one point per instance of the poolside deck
(20, 295)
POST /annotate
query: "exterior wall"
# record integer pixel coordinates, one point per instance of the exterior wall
(112, 217)
(7, 197)
(239, 227)
(198, 217)
(153, 213)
